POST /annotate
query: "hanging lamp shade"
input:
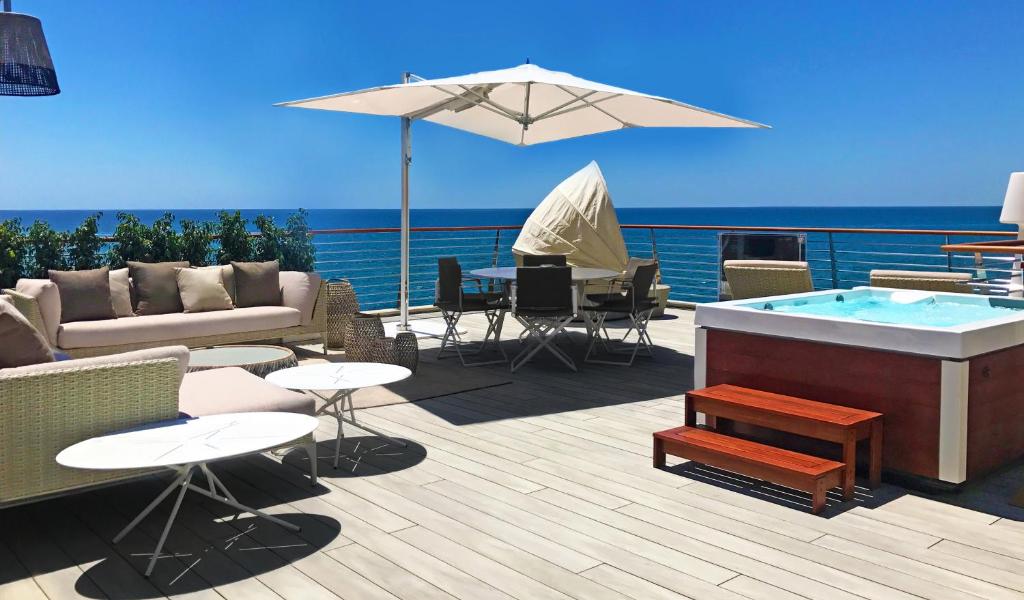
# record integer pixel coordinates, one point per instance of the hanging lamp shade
(26, 68)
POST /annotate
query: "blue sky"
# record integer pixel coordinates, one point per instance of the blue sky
(169, 104)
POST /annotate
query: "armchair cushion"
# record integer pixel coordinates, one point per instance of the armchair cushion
(20, 342)
(47, 297)
(231, 390)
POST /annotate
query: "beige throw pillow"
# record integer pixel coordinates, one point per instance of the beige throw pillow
(20, 343)
(121, 293)
(202, 290)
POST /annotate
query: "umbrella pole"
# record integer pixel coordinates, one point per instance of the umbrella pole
(403, 301)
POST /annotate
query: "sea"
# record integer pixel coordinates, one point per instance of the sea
(690, 260)
(902, 217)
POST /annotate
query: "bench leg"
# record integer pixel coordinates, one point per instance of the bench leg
(659, 453)
(850, 458)
(818, 496)
(875, 474)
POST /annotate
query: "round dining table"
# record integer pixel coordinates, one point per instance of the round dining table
(578, 273)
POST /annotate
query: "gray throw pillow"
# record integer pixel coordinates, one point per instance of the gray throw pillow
(84, 295)
(202, 290)
(156, 287)
(257, 283)
(20, 343)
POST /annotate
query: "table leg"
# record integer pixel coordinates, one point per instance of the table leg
(156, 501)
(850, 458)
(185, 485)
(875, 472)
(336, 405)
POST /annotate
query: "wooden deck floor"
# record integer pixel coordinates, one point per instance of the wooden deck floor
(542, 488)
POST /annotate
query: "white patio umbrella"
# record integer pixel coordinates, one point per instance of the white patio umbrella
(523, 105)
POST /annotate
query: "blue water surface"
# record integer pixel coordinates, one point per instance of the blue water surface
(930, 312)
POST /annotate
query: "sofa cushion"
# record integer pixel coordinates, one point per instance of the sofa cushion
(180, 353)
(257, 283)
(48, 299)
(233, 390)
(227, 277)
(175, 326)
(121, 293)
(20, 342)
(202, 290)
(156, 288)
(84, 295)
(300, 290)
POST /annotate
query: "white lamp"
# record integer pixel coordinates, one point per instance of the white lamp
(1013, 203)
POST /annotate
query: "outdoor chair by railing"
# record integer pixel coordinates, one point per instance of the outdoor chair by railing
(637, 304)
(929, 281)
(453, 300)
(760, 278)
(544, 302)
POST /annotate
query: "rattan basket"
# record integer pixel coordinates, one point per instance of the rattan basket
(342, 303)
(365, 342)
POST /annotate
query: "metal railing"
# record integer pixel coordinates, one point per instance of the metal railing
(839, 257)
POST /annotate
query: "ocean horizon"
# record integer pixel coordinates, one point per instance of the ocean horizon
(901, 217)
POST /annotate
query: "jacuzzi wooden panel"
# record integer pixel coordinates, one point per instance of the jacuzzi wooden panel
(905, 388)
(995, 410)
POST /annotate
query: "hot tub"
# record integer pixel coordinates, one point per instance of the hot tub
(943, 368)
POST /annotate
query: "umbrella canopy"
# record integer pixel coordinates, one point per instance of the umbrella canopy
(523, 105)
(577, 219)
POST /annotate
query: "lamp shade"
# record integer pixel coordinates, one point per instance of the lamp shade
(1013, 203)
(25, 65)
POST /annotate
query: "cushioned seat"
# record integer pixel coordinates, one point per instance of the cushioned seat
(175, 326)
(232, 389)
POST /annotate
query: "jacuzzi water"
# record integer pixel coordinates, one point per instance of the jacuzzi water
(903, 308)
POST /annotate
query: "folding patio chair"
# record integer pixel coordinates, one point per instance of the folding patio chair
(454, 301)
(637, 304)
(544, 302)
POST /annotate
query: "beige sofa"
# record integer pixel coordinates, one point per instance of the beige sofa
(302, 312)
(47, 407)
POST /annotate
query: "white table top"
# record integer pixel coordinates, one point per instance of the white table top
(338, 376)
(230, 356)
(188, 441)
(578, 273)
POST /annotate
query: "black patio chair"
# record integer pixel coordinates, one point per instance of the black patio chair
(454, 301)
(544, 302)
(543, 260)
(636, 303)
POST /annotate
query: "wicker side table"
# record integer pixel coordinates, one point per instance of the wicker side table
(342, 303)
(365, 342)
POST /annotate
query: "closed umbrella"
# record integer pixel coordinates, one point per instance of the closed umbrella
(523, 105)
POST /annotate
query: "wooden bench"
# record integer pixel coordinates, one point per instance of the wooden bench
(792, 469)
(830, 422)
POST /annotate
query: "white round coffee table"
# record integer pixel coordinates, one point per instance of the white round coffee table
(258, 360)
(185, 446)
(341, 379)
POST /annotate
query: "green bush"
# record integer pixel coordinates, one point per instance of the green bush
(84, 246)
(235, 242)
(298, 251)
(268, 245)
(12, 252)
(164, 242)
(45, 250)
(196, 242)
(131, 241)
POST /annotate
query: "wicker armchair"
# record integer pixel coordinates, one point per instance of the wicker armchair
(928, 281)
(760, 278)
(43, 413)
(365, 342)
